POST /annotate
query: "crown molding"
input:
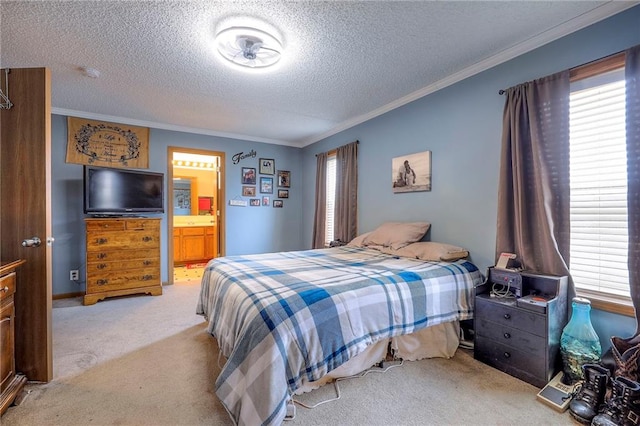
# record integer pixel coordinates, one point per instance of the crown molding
(588, 18)
(165, 126)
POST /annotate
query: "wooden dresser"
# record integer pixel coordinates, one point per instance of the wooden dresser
(12, 382)
(123, 257)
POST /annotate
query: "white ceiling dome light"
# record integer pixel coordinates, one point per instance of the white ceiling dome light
(248, 47)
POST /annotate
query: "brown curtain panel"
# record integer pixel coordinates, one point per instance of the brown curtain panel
(533, 193)
(346, 214)
(319, 225)
(632, 75)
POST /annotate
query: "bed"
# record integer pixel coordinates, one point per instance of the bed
(288, 322)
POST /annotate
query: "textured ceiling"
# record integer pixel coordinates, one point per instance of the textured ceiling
(344, 61)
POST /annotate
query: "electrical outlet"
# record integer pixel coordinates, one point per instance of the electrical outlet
(74, 275)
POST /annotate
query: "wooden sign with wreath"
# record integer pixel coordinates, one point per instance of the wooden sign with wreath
(107, 144)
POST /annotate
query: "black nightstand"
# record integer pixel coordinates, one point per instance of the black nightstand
(518, 336)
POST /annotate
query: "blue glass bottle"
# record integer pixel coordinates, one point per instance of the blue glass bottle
(579, 343)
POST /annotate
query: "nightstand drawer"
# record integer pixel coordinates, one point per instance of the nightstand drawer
(510, 360)
(511, 316)
(509, 336)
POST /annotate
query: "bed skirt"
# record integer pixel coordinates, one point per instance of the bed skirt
(438, 341)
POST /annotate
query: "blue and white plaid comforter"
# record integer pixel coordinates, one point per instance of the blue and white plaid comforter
(282, 317)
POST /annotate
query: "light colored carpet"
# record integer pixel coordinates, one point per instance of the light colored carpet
(147, 360)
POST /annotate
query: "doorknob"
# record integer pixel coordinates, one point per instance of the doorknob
(31, 242)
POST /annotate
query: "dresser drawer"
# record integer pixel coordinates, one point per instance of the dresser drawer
(7, 286)
(105, 225)
(518, 363)
(511, 316)
(109, 240)
(142, 224)
(105, 254)
(119, 280)
(132, 264)
(512, 337)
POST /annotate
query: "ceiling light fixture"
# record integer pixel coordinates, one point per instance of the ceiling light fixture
(248, 47)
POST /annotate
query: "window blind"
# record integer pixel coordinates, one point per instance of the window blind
(331, 199)
(598, 175)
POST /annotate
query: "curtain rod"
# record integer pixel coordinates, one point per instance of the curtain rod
(335, 149)
(577, 68)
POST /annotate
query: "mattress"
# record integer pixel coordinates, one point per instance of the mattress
(287, 319)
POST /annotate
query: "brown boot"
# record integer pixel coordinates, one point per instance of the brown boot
(590, 397)
(623, 359)
(623, 408)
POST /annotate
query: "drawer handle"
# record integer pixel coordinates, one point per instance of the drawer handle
(147, 277)
(102, 282)
(146, 262)
(507, 316)
(5, 289)
(507, 355)
(102, 255)
(507, 335)
(101, 241)
(147, 239)
(101, 266)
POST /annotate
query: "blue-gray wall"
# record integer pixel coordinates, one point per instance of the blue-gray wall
(248, 229)
(462, 126)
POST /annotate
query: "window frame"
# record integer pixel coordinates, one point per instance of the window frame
(331, 157)
(602, 301)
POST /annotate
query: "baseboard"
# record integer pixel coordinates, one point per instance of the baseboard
(68, 295)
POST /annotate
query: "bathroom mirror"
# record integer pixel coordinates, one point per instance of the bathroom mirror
(185, 198)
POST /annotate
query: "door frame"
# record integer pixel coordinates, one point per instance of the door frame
(219, 204)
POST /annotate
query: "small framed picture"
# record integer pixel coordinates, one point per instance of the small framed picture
(283, 193)
(267, 166)
(254, 202)
(248, 191)
(278, 203)
(265, 201)
(266, 185)
(284, 178)
(248, 176)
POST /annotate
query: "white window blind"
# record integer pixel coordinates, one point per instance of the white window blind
(598, 174)
(331, 199)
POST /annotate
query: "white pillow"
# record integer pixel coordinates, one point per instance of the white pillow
(430, 250)
(397, 234)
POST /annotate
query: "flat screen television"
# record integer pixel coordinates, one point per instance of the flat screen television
(109, 191)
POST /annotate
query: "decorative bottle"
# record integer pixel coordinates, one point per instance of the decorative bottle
(579, 343)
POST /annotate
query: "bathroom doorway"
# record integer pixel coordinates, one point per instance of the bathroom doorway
(195, 211)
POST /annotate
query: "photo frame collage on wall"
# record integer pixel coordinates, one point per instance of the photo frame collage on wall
(263, 183)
